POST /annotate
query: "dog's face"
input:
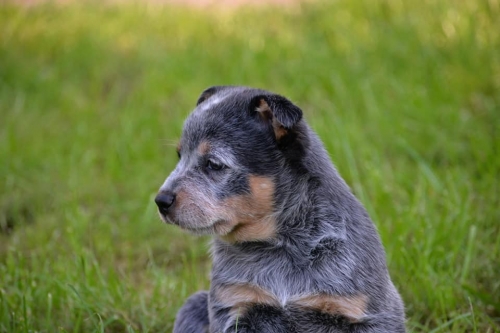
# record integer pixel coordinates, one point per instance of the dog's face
(231, 152)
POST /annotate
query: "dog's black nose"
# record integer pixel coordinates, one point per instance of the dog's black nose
(164, 200)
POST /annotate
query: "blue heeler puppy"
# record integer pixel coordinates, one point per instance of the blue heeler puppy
(293, 249)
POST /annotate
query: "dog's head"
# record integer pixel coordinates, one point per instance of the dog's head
(234, 146)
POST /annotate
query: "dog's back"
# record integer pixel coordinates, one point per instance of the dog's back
(294, 250)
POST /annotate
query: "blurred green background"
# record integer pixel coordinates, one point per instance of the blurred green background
(404, 94)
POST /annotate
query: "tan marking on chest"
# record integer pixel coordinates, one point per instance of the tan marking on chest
(352, 307)
(251, 215)
(240, 297)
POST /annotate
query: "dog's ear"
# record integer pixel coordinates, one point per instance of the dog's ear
(206, 94)
(282, 114)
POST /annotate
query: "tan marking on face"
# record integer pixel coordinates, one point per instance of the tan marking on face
(203, 148)
(351, 307)
(240, 297)
(180, 197)
(267, 114)
(251, 216)
(178, 148)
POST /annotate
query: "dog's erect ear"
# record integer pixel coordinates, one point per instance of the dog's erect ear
(206, 94)
(279, 111)
(209, 92)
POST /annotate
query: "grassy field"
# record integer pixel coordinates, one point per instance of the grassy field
(405, 95)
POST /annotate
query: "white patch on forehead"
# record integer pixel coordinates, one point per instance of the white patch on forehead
(212, 101)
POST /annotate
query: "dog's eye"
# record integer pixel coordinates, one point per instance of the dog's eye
(213, 165)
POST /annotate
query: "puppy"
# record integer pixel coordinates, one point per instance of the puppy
(293, 249)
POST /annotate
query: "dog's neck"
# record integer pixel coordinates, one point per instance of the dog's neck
(318, 200)
(311, 208)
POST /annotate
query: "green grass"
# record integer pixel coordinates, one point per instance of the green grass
(405, 95)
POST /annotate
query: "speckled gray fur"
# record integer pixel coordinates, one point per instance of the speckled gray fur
(325, 241)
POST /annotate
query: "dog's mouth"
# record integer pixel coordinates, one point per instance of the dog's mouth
(166, 218)
(218, 227)
(210, 230)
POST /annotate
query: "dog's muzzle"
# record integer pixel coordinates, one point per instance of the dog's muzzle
(164, 200)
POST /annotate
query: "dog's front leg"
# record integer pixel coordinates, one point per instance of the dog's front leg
(193, 316)
(253, 318)
(245, 308)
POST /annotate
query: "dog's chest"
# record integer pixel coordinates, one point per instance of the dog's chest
(272, 273)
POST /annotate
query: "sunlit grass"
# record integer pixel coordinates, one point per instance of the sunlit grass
(405, 96)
